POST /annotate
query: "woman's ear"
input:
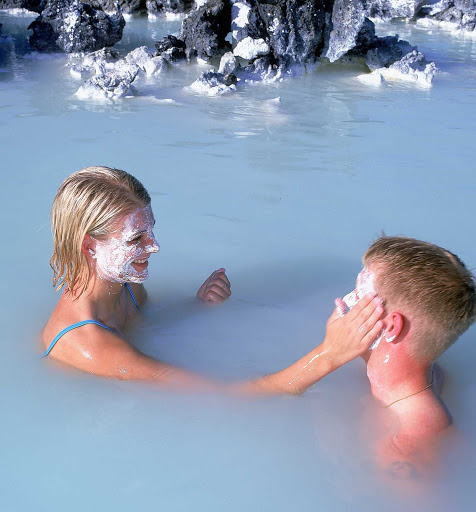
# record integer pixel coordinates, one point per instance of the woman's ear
(89, 245)
(394, 326)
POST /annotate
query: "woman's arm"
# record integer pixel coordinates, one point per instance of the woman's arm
(94, 350)
(346, 338)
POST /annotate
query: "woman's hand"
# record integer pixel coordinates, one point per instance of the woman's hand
(347, 337)
(351, 335)
(216, 288)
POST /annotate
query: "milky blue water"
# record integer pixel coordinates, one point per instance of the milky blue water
(287, 196)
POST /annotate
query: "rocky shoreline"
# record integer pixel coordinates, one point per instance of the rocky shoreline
(245, 40)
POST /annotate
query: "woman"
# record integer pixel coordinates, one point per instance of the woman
(103, 237)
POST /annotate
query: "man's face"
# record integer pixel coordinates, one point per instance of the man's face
(364, 284)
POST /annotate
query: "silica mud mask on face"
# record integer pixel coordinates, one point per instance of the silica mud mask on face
(123, 256)
(363, 285)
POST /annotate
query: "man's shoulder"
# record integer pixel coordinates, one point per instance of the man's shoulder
(424, 419)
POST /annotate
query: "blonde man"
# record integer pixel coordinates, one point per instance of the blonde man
(430, 300)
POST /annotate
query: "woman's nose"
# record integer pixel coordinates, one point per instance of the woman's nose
(152, 245)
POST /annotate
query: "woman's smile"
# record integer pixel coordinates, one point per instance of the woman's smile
(124, 255)
(141, 265)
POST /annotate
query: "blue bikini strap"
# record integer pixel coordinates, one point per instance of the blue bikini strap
(84, 322)
(70, 328)
(133, 296)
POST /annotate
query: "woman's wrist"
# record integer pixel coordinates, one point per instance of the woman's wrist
(330, 355)
(300, 376)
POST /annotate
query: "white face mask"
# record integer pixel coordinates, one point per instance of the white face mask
(363, 285)
(123, 257)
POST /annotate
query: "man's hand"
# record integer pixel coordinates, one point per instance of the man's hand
(216, 288)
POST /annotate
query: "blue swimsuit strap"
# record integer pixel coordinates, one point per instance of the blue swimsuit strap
(70, 328)
(133, 296)
(84, 322)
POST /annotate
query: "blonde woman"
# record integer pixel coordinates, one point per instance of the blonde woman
(103, 238)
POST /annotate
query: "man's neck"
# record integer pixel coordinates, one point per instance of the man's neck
(403, 385)
(394, 376)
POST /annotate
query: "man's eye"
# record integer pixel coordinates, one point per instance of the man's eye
(135, 240)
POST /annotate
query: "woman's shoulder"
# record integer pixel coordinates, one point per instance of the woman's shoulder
(75, 328)
(80, 343)
(64, 324)
(60, 318)
(88, 345)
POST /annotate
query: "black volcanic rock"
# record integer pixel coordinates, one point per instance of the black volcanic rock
(111, 6)
(126, 6)
(30, 5)
(295, 29)
(175, 6)
(348, 17)
(384, 53)
(74, 27)
(460, 12)
(170, 48)
(204, 30)
(391, 9)
(377, 52)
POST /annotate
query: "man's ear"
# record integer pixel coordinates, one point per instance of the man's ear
(395, 322)
(89, 245)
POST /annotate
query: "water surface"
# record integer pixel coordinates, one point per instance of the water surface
(286, 194)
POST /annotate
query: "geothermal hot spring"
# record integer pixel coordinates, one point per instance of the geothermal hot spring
(285, 185)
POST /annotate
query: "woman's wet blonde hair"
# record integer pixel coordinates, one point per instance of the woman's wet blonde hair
(89, 201)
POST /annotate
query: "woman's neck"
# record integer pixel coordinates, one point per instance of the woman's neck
(102, 298)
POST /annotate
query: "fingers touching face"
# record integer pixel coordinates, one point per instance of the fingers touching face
(361, 296)
(364, 284)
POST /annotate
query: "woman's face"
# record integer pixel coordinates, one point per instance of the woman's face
(123, 256)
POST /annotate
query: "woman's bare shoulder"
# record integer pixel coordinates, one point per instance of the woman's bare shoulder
(61, 317)
(68, 313)
(90, 347)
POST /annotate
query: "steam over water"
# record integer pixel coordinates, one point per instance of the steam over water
(285, 185)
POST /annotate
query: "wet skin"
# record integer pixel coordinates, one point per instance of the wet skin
(123, 256)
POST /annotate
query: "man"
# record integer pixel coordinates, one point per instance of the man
(430, 300)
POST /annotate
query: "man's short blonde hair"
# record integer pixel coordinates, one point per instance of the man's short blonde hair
(89, 201)
(430, 285)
